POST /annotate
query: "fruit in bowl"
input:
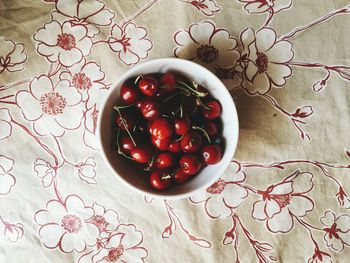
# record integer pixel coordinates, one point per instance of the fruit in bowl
(168, 128)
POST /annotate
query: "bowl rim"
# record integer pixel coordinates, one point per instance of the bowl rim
(125, 182)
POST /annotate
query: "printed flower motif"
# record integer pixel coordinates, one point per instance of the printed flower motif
(224, 195)
(105, 219)
(90, 124)
(208, 45)
(45, 172)
(207, 7)
(320, 257)
(282, 201)
(343, 198)
(12, 55)
(87, 78)
(63, 42)
(261, 6)
(13, 232)
(52, 109)
(337, 230)
(5, 123)
(91, 15)
(266, 60)
(130, 43)
(86, 170)
(123, 245)
(7, 180)
(67, 225)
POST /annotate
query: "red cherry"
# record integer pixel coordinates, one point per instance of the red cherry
(190, 164)
(212, 154)
(174, 146)
(168, 79)
(161, 144)
(128, 93)
(165, 160)
(161, 128)
(126, 144)
(180, 177)
(138, 104)
(148, 85)
(213, 111)
(150, 109)
(211, 128)
(125, 121)
(182, 125)
(191, 142)
(142, 153)
(160, 180)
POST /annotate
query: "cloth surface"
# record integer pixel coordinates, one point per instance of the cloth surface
(284, 198)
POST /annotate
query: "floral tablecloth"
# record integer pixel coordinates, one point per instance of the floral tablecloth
(284, 198)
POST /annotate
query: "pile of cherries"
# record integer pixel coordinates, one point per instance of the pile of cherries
(170, 125)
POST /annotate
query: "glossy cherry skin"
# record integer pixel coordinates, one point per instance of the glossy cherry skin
(214, 110)
(138, 104)
(160, 180)
(191, 142)
(142, 153)
(148, 85)
(212, 154)
(126, 144)
(150, 109)
(161, 144)
(125, 121)
(161, 128)
(165, 160)
(182, 125)
(128, 93)
(174, 146)
(180, 177)
(190, 164)
(211, 128)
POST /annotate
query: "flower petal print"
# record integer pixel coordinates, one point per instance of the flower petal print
(92, 15)
(7, 180)
(337, 230)
(45, 172)
(87, 78)
(13, 232)
(282, 201)
(12, 55)
(207, 7)
(130, 43)
(320, 257)
(123, 245)
(90, 126)
(51, 109)
(207, 45)
(105, 219)
(66, 225)
(261, 6)
(5, 123)
(63, 42)
(266, 60)
(224, 195)
(86, 170)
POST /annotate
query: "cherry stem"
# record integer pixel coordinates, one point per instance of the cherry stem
(196, 92)
(171, 96)
(181, 109)
(148, 168)
(118, 146)
(137, 79)
(125, 125)
(123, 107)
(204, 132)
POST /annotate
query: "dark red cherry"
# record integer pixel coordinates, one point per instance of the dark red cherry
(168, 79)
(211, 128)
(125, 121)
(213, 110)
(182, 125)
(148, 85)
(128, 93)
(180, 177)
(160, 180)
(161, 128)
(138, 104)
(165, 160)
(142, 153)
(150, 109)
(212, 154)
(191, 142)
(174, 146)
(190, 164)
(161, 144)
(126, 144)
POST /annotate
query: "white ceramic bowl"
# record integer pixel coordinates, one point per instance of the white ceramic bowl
(129, 174)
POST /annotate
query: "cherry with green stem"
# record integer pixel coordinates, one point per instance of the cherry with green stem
(124, 122)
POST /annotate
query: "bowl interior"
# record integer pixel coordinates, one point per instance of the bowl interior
(132, 175)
